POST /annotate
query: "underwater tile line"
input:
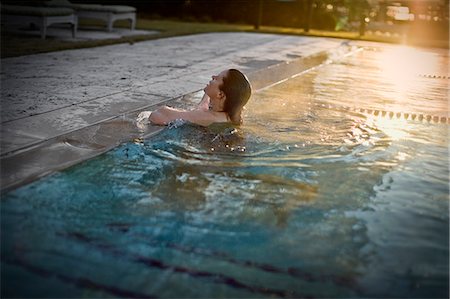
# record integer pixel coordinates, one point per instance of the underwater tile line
(295, 272)
(79, 282)
(158, 264)
(339, 280)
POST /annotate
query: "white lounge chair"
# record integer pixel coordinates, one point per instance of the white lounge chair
(39, 16)
(107, 13)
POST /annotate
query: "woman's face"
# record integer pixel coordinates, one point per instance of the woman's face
(217, 96)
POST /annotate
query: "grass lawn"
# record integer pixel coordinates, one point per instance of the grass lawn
(18, 45)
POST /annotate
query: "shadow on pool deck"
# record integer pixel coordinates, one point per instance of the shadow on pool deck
(83, 32)
(38, 143)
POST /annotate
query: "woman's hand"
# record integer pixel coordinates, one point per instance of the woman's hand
(163, 115)
(143, 116)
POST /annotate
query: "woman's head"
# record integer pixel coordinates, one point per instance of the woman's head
(229, 92)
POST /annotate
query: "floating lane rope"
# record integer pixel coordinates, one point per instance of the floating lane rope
(434, 76)
(421, 117)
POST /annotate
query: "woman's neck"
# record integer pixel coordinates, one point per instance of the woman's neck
(221, 116)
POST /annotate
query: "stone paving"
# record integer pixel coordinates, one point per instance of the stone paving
(55, 106)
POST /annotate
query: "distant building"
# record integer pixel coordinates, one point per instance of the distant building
(410, 10)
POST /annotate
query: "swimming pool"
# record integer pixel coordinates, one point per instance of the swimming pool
(334, 187)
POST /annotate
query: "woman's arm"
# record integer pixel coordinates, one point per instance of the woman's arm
(165, 115)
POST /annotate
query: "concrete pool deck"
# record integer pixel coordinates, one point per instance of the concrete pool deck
(60, 108)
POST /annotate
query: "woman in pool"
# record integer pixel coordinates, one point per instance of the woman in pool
(225, 97)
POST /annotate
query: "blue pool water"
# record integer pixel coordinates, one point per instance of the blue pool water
(313, 197)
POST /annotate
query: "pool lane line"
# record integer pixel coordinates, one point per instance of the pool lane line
(343, 281)
(158, 264)
(82, 283)
(295, 272)
(434, 76)
(421, 117)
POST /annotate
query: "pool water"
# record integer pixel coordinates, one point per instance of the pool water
(309, 198)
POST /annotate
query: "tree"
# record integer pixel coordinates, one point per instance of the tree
(309, 9)
(259, 15)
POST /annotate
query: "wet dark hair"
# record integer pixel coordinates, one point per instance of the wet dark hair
(237, 90)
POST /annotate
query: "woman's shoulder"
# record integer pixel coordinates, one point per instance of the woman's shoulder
(202, 117)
